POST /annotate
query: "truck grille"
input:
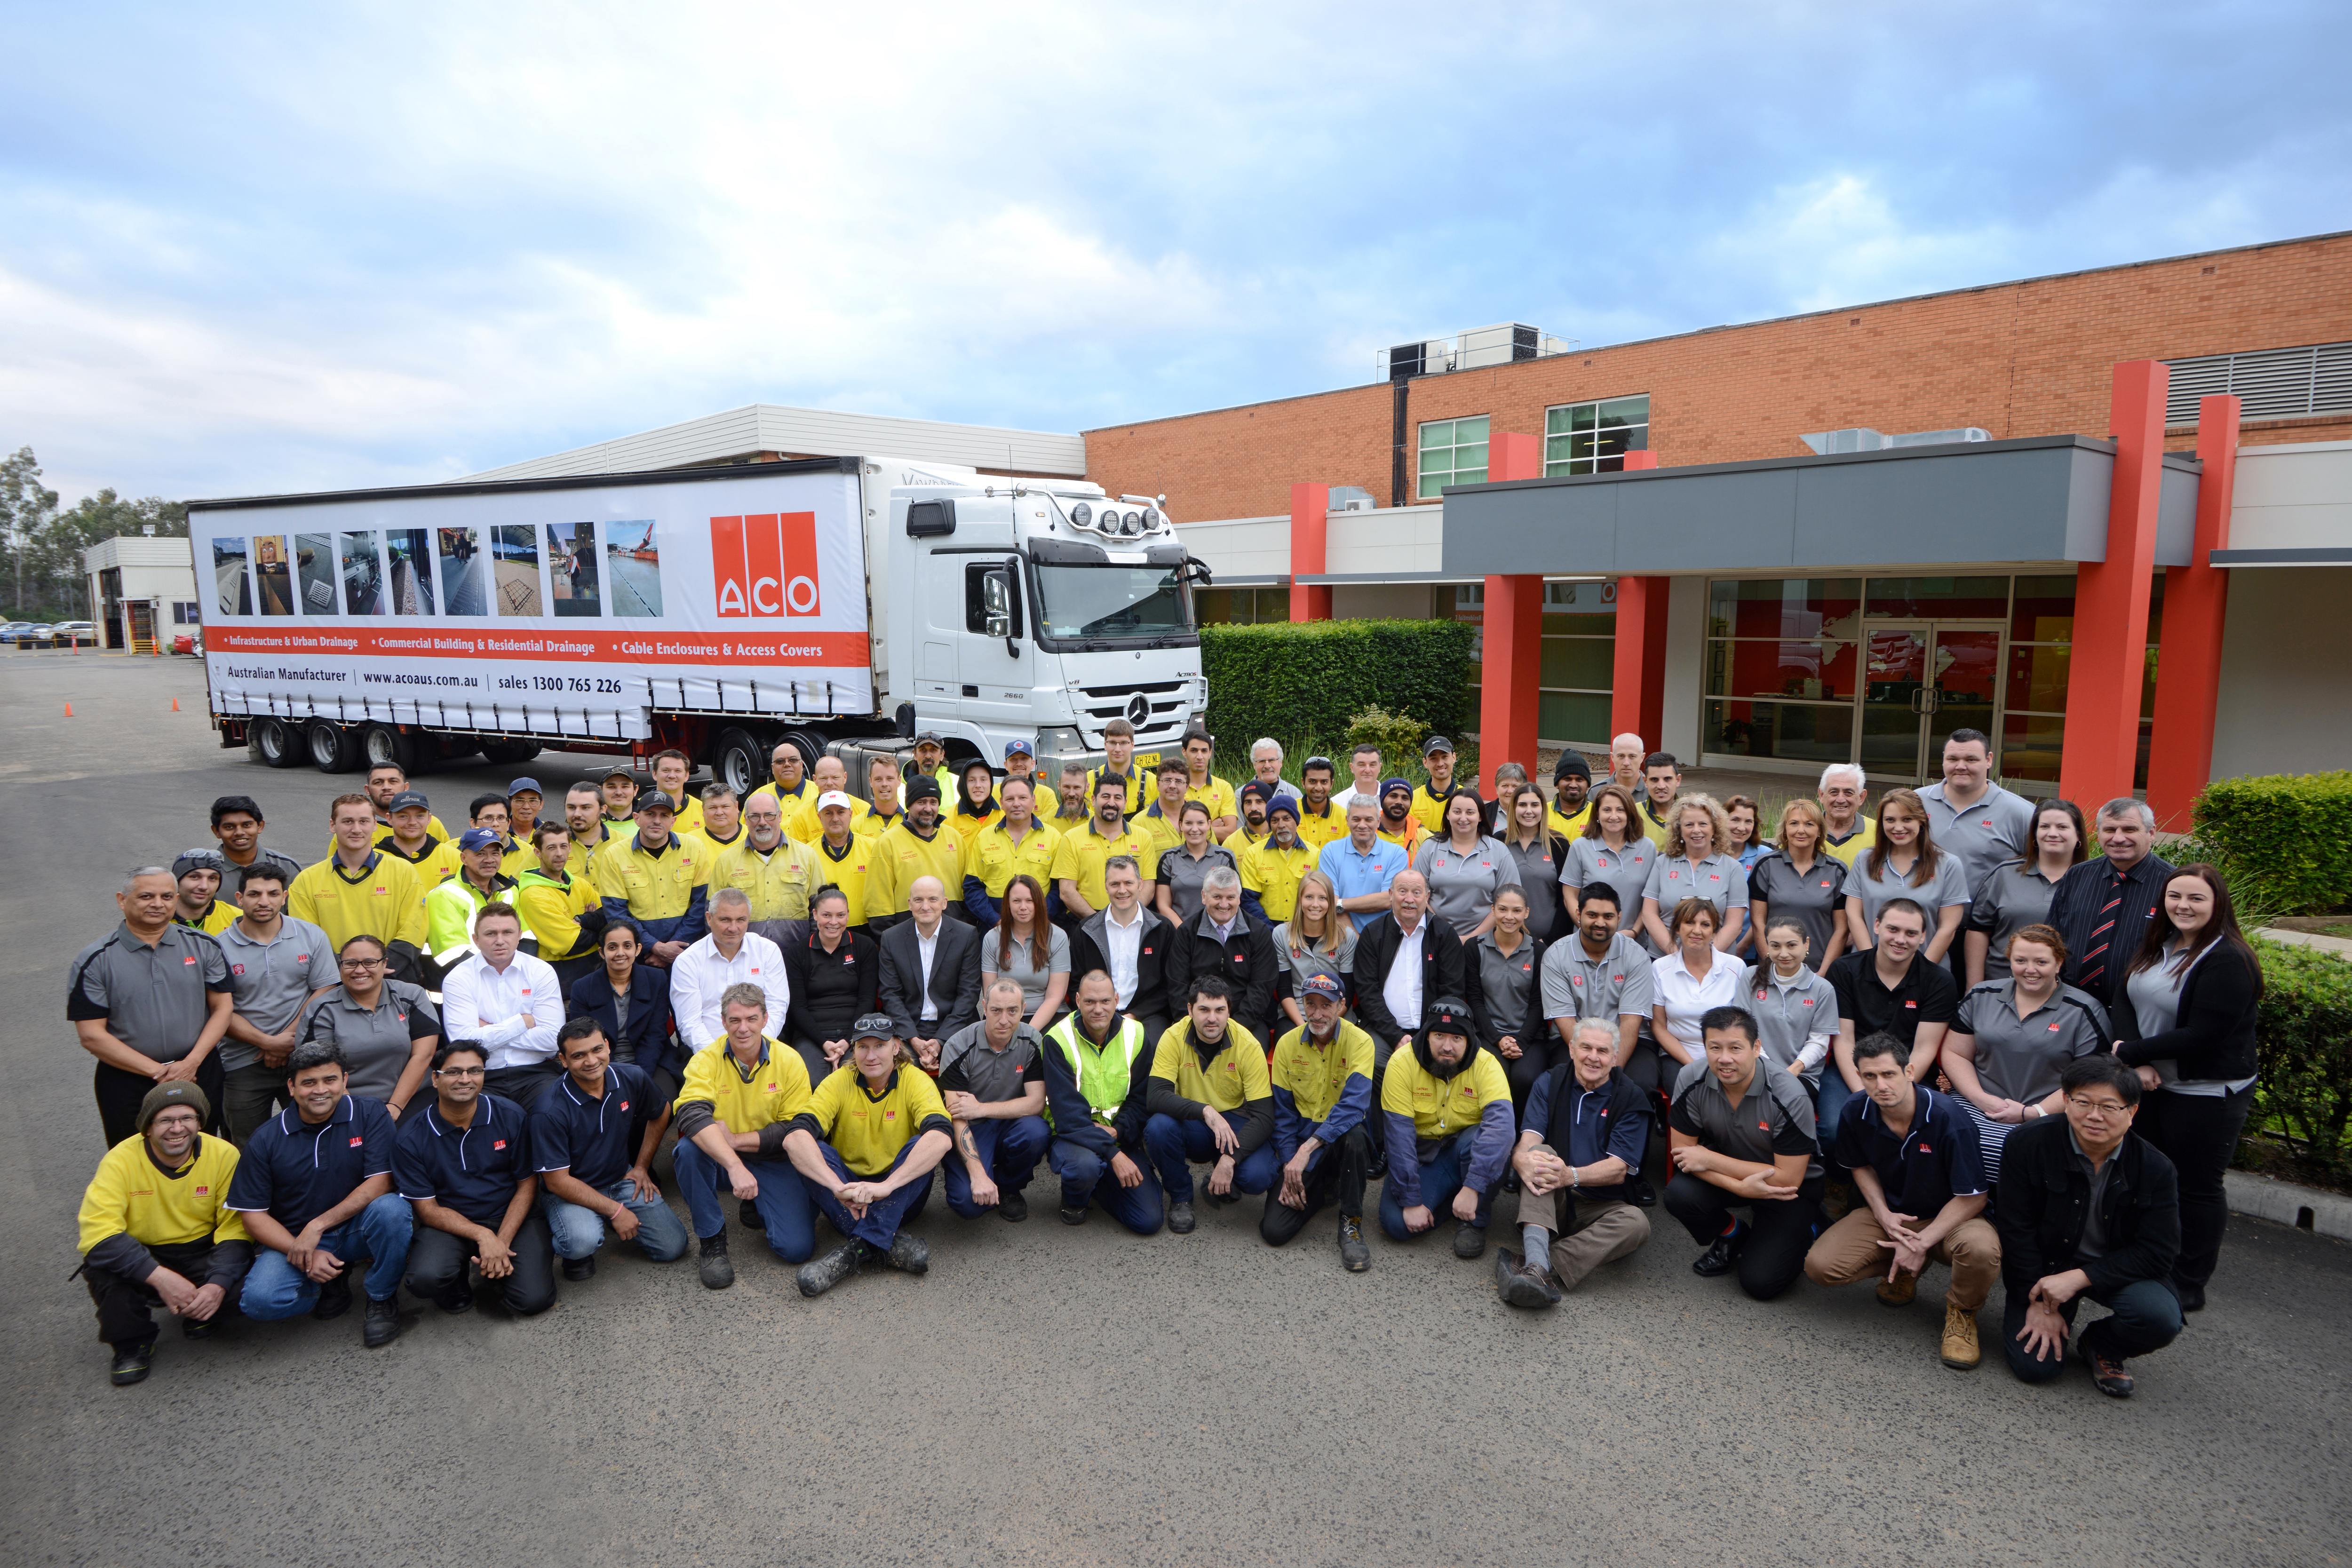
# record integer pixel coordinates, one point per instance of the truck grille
(1098, 705)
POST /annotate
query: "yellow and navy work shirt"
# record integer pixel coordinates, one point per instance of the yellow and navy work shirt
(132, 1196)
(520, 855)
(867, 1130)
(1083, 851)
(1429, 809)
(385, 898)
(996, 859)
(551, 911)
(1319, 830)
(218, 917)
(788, 801)
(803, 825)
(1656, 828)
(846, 868)
(436, 859)
(432, 829)
(769, 1094)
(664, 892)
(1138, 787)
(902, 855)
(1320, 1091)
(1855, 844)
(1166, 832)
(968, 826)
(778, 881)
(1441, 1107)
(1274, 873)
(1232, 1078)
(1216, 795)
(1568, 827)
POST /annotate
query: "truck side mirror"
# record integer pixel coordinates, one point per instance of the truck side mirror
(930, 519)
(906, 717)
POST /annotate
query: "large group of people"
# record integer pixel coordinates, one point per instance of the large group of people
(1849, 1047)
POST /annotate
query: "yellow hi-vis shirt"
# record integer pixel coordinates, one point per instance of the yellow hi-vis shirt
(520, 856)
(804, 826)
(774, 1089)
(1081, 854)
(1274, 875)
(1216, 795)
(1321, 830)
(1441, 1107)
(967, 827)
(1568, 827)
(787, 804)
(1140, 787)
(901, 856)
(1856, 845)
(995, 860)
(385, 900)
(778, 883)
(847, 870)
(1317, 1076)
(658, 886)
(432, 829)
(1429, 810)
(1234, 1076)
(867, 1130)
(551, 911)
(219, 915)
(436, 862)
(132, 1195)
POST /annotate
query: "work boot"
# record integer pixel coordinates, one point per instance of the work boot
(1469, 1241)
(1180, 1217)
(2191, 1297)
(1720, 1257)
(202, 1328)
(460, 1299)
(1836, 1198)
(1639, 1192)
(579, 1267)
(909, 1254)
(1961, 1351)
(1354, 1256)
(821, 1274)
(1521, 1285)
(132, 1362)
(1013, 1206)
(1898, 1291)
(749, 1212)
(1074, 1215)
(382, 1325)
(334, 1298)
(718, 1269)
(2113, 1380)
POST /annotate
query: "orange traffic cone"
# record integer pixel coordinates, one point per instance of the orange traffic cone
(176, 705)
(68, 710)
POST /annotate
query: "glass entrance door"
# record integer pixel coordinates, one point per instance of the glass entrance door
(1923, 680)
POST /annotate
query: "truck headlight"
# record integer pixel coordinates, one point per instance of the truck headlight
(1082, 514)
(1150, 517)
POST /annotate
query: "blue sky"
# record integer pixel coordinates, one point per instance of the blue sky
(275, 248)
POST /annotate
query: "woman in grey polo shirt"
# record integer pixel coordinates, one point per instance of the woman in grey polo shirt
(2011, 1038)
(1028, 949)
(1541, 854)
(2016, 893)
(386, 1029)
(1905, 864)
(1692, 865)
(1800, 880)
(1612, 850)
(1318, 939)
(1183, 868)
(1507, 1005)
(1465, 868)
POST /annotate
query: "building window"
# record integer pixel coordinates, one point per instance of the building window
(1240, 606)
(1578, 657)
(1453, 452)
(1593, 438)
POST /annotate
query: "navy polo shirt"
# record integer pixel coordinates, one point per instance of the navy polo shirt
(295, 1171)
(576, 1132)
(473, 1170)
(1592, 1135)
(1928, 1166)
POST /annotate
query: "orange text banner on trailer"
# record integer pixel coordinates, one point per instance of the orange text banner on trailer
(546, 610)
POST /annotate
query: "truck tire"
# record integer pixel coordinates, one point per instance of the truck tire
(274, 743)
(505, 754)
(739, 763)
(334, 747)
(382, 744)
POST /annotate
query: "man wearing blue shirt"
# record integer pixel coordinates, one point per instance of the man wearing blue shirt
(466, 1164)
(315, 1187)
(1586, 1130)
(1362, 865)
(592, 1171)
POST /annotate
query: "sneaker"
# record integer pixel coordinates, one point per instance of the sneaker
(132, 1363)
(1961, 1351)
(334, 1298)
(1836, 1198)
(1521, 1285)
(1180, 1217)
(382, 1325)
(2192, 1296)
(909, 1254)
(1469, 1241)
(460, 1300)
(821, 1274)
(579, 1267)
(2113, 1380)
(192, 1329)
(718, 1269)
(1074, 1215)
(749, 1212)
(1720, 1257)
(1898, 1291)
(1012, 1206)
(1354, 1256)
(1639, 1192)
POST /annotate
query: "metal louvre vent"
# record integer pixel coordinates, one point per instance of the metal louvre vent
(2275, 383)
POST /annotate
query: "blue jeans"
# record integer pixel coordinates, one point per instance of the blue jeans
(1829, 1104)
(1174, 1145)
(880, 1227)
(1440, 1178)
(782, 1202)
(379, 1231)
(1088, 1177)
(579, 1232)
(1010, 1150)
(2146, 1318)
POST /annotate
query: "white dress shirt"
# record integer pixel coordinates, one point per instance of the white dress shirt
(1402, 990)
(929, 948)
(478, 1002)
(1124, 945)
(699, 977)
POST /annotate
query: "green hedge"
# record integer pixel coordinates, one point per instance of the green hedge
(2305, 1044)
(1304, 681)
(2285, 839)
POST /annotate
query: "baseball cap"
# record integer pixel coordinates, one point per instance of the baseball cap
(1450, 1015)
(922, 787)
(408, 800)
(1435, 743)
(930, 736)
(617, 772)
(873, 1027)
(834, 797)
(1019, 748)
(652, 799)
(525, 783)
(1571, 764)
(1322, 986)
(198, 860)
(475, 839)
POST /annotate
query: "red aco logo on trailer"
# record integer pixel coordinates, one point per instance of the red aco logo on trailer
(764, 566)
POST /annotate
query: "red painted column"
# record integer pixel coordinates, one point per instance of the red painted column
(1638, 677)
(1511, 671)
(1310, 523)
(2196, 609)
(2110, 651)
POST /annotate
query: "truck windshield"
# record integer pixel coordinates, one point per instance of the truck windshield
(1123, 602)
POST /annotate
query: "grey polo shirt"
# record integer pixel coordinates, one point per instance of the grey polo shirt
(1996, 828)
(991, 1077)
(2014, 895)
(2021, 1058)
(1814, 899)
(1786, 1013)
(1775, 1116)
(1614, 985)
(271, 980)
(154, 998)
(1463, 888)
(1626, 871)
(376, 1041)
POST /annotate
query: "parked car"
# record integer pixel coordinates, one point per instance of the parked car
(27, 634)
(65, 632)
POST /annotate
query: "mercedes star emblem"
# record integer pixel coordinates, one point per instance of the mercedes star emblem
(1139, 710)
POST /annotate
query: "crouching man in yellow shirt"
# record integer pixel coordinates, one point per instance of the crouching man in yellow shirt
(866, 1147)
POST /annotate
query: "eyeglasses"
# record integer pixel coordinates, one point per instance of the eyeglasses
(359, 964)
(2102, 1107)
(460, 1072)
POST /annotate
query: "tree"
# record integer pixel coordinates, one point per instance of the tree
(47, 544)
(27, 510)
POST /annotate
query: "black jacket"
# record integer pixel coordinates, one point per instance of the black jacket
(2043, 1197)
(1074, 1119)
(831, 990)
(2213, 1037)
(1150, 963)
(1244, 960)
(646, 1042)
(955, 979)
(1443, 961)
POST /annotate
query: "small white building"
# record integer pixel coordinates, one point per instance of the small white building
(141, 586)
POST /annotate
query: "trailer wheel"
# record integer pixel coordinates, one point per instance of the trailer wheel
(381, 745)
(739, 763)
(273, 742)
(333, 748)
(505, 754)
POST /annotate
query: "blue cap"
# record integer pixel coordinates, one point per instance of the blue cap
(1019, 748)
(1388, 785)
(1320, 985)
(525, 783)
(475, 839)
(409, 799)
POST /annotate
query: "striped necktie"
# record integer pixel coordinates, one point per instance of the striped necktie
(2095, 961)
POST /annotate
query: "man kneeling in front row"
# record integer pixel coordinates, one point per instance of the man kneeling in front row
(740, 1094)
(866, 1147)
(1587, 1127)
(993, 1080)
(1446, 1106)
(466, 1164)
(1913, 1153)
(1322, 1076)
(1741, 1134)
(591, 1175)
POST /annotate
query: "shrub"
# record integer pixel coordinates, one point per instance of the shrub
(1398, 735)
(1304, 680)
(2285, 839)
(2305, 1044)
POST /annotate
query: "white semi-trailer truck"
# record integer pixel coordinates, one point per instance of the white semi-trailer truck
(845, 604)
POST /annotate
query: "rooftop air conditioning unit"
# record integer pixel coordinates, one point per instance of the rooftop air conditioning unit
(1497, 344)
(1351, 498)
(1862, 439)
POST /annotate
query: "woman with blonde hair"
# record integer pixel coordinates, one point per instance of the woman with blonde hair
(1803, 880)
(1691, 864)
(1905, 864)
(1318, 939)
(1615, 850)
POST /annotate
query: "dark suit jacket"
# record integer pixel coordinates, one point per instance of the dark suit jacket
(1151, 999)
(1443, 960)
(1244, 960)
(646, 1039)
(955, 979)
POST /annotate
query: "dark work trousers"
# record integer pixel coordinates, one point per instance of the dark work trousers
(1780, 1232)
(2146, 1318)
(2198, 1134)
(1334, 1173)
(812, 1055)
(119, 1092)
(523, 1085)
(251, 1095)
(1536, 1058)
(880, 1227)
(438, 1265)
(126, 1307)
(1088, 1177)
